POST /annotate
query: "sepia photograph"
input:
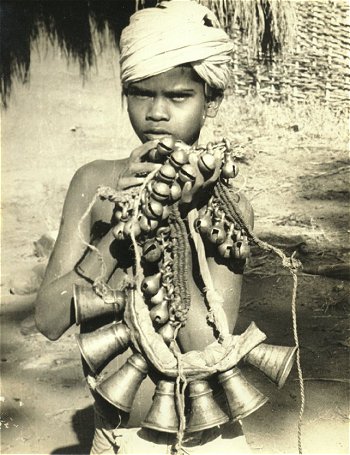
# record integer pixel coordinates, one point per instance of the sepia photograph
(175, 256)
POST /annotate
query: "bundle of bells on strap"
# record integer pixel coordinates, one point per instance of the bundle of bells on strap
(148, 314)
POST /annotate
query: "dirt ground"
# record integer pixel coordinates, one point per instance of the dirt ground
(294, 170)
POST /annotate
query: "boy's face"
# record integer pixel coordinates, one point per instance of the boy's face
(171, 103)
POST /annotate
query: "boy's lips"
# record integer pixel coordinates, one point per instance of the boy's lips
(152, 135)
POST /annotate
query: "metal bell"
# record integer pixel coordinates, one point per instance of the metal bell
(166, 146)
(204, 412)
(159, 296)
(226, 248)
(152, 251)
(146, 224)
(204, 223)
(217, 234)
(229, 170)
(121, 387)
(167, 331)
(242, 397)
(274, 361)
(153, 209)
(241, 249)
(206, 163)
(154, 156)
(99, 347)
(187, 173)
(178, 158)
(160, 191)
(150, 285)
(163, 416)
(132, 226)
(118, 231)
(166, 173)
(159, 314)
(175, 191)
(89, 305)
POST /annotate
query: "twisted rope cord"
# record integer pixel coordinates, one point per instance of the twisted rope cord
(292, 265)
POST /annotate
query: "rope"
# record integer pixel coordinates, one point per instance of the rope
(88, 244)
(215, 301)
(235, 213)
(298, 360)
(137, 201)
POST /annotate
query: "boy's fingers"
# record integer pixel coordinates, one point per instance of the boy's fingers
(143, 168)
(139, 152)
(128, 182)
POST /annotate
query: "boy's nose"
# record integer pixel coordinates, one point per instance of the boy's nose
(157, 110)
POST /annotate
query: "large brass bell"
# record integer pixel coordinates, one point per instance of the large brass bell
(88, 304)
(274, 361)
(166, 173)
(242, 397)
(204, 412)
(121, 387)
(163, 416)
(206, 163)
(99, 347)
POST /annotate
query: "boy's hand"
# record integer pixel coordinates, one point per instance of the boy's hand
(136, 170)
(189, 190)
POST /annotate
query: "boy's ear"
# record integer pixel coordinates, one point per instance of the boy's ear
(212, 105)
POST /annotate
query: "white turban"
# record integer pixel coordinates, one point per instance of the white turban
(171, 34)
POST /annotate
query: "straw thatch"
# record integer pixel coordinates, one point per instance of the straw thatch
(74, 24)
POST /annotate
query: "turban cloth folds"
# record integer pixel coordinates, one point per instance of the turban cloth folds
(175, 33)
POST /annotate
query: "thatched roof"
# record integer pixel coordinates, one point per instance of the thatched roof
(72, 24)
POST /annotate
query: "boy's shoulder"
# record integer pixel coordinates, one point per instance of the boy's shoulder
(99, 172)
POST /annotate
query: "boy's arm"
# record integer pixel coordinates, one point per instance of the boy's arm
(53, 308)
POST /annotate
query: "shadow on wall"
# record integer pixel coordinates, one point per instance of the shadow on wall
(83, 426)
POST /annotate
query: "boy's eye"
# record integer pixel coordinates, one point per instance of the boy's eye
(179, 97)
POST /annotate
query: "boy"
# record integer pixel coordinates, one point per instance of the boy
(174, 69)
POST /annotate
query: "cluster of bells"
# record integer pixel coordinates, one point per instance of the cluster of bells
(151, 228)
(166, 187)
(211, 402)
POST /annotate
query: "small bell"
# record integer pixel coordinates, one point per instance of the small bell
(175, 191)
(146, 224)
(118, 231)
(217, 234)
(241, 249)
(167, 331)
(206, 163)
(204, 223)
(187, 173)
(229, 170)
(151, 284)
(152, 251)
(160, 191)
(226, 248)
(178, 158)
(166, 212)
(159, 296)
(132, 226)
(153, 209)
(153, 156)
(166, 173)
(159, 314)
(166, 146)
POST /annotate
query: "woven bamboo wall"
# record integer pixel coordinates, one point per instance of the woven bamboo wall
(316, 67)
